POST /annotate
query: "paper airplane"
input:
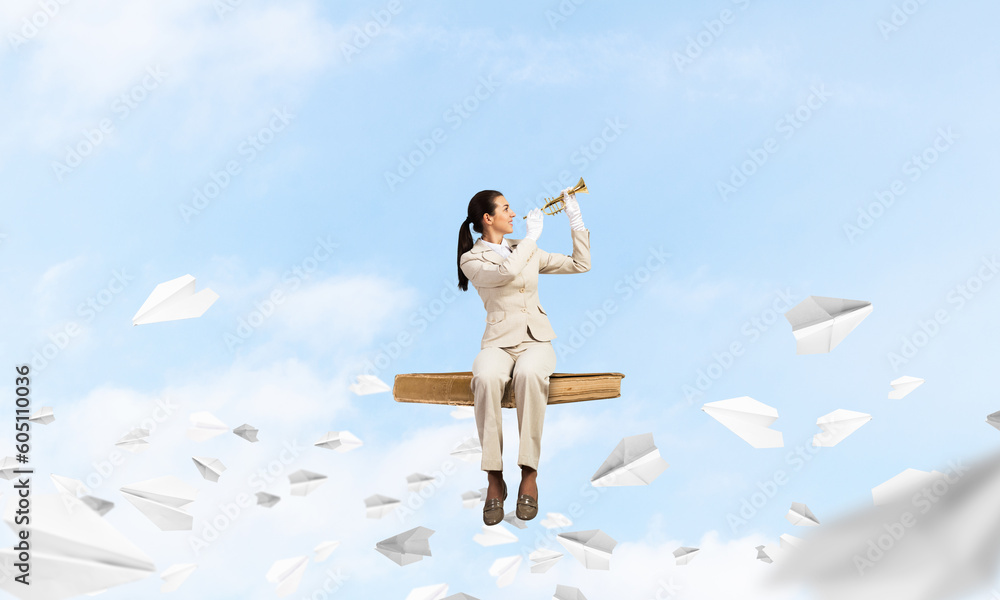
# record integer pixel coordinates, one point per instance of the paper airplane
(210, 468)
(634, 461)
(174, 576)
(267, 500)
(134, 441)
(994, 419)
(174, 300)
(554, 520)
(73, 551)
(838, 425)
(511, 517)
(369, 384)
(944, 546)
(68, 485)
(463, 412)
(592, 547)
(685, 555)
(204, 426)
(407, 547)
(418, 481)
(799, 514)
(565, 592)
(287, 573)
(494, 535)
(247, 432)
(341, 441)
(543, 559)
(762, 555)
(471, 499)
(748, 419)
(903, 386)
(305, 482)
(469, 450)
(378, 506)
(820, 323)
(324, 550)
(44, 416)
(101, 507)
(789, 542)
(903, 487)
(505, 569)
(428, 592)
(7, 467)
(162, 500)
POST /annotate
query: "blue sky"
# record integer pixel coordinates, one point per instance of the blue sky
(300, 139)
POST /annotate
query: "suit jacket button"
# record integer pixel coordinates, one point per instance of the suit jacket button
(521, 290)
(524, 310)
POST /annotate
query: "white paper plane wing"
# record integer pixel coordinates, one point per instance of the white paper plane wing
(162, 500)
(287, 573)
(820, 323)
(634, 461)
(174, 300)
(505, 569)
(748, 419)
(73, 551)
(494, 535)
(838, 425)
(592, 548)
(174, 576)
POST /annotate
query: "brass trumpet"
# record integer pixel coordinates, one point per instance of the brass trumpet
(556, 205)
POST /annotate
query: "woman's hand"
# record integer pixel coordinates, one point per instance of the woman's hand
(535, 223)
(573, 210)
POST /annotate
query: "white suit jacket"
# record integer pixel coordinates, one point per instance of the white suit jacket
(509, 287)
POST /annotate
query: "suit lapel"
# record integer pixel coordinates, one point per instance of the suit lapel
(487, 253)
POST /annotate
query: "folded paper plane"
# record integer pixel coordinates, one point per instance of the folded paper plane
(634, 461)
(748, 419)
(174, 300)
(592, 548)
(162, 500)
(407, 547)
(820, 323)
(838, 425)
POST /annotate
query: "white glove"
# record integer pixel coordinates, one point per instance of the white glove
(573, 211)
(535, 223)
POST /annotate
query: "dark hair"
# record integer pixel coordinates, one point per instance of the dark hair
(482, 203)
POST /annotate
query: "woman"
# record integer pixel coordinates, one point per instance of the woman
(517, 342)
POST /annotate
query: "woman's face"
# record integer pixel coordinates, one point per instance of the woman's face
(503, 216)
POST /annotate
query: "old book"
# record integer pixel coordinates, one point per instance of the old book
(456, 388)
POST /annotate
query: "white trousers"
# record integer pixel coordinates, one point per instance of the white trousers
(529, 363)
